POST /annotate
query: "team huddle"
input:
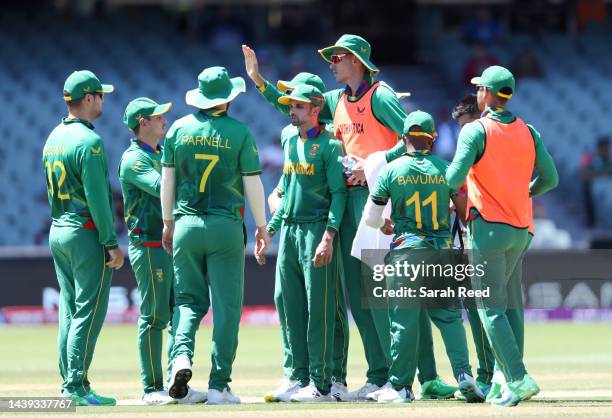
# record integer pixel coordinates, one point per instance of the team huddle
(184, 209)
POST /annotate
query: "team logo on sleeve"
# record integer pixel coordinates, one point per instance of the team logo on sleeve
(96, 151)
(313, 150)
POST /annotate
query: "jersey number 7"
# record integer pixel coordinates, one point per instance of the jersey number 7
(214, 159)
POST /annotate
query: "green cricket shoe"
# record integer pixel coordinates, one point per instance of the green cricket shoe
(93, 399)
(521, 390)
(494, 392)
(437, 389)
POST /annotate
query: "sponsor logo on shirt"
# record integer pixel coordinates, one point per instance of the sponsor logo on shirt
(313, 150)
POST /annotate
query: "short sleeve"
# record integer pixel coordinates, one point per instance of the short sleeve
(168, 153)
(249, 157)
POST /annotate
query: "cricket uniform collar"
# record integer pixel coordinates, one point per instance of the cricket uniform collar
(498, 114)
(146, 147)
(68, 121)
(312, 133)
(364, 86)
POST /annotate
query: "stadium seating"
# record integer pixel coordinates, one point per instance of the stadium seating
(569, 106)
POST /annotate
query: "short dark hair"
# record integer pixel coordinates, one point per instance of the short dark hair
(76, 103)
(136, 129)
(467, 105)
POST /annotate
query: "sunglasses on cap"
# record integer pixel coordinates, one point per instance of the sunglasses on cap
(337, 58)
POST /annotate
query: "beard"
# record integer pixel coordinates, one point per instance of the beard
(296, 122)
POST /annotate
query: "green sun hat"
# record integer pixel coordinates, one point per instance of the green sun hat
(301, 78)
(215, 87)
(423, 120)
(143, 107)
(304, 94)
(496, 79)
(355, 44)
(82, 82)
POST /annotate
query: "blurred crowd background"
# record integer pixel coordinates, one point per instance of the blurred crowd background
(559, 51)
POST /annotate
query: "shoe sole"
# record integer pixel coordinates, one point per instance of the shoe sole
(436, 397)
(172, 402)
(179, 389)
(313, 400)
(223, 403)
(532, 395)
(469, 391)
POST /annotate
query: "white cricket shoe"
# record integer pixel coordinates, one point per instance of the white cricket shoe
(373, 396)
(157, 398)
(216, 397)
(283, 392)
(390, 395)
(338, 391)
(362, 393)
(469, 389)
(193, 397)
(181, 375)
(310, 393)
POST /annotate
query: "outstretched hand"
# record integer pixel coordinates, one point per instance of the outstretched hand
(251, 65)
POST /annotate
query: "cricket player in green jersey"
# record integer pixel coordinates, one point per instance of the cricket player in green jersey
(140, 178)
(385, 108)
(420, 201)
(308, 217)
(368, 117)
(340, 347)
(82, 236)
(500, 185)
(210, 161)
(464, 112)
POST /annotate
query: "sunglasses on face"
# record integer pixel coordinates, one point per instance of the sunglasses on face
(337, 58)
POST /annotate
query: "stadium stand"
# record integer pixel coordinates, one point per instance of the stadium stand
(569, 105)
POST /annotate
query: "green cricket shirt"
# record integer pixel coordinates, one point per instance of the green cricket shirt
(210, 152)
(420, 196)
(76, 168)
(140, 178)
(313, 180)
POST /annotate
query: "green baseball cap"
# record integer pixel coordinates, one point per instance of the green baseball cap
(143, 107)
(215, 87)
(82, 82)
(423, 120)
(301, 78)
(496, 79)
(304, 94)
(355, 44)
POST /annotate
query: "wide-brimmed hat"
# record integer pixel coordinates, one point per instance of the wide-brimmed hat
(215, 87)
(354, 44)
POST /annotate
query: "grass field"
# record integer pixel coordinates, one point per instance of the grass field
(571, 362)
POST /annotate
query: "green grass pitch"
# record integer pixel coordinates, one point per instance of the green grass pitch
(572, 362)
